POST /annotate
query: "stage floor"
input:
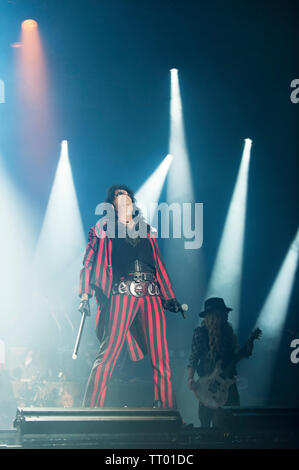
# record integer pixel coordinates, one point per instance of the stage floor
(148, 428)
(187, 438)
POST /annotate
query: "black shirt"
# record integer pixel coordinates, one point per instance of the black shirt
(125, 251)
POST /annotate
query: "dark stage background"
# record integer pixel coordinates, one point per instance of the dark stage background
(108, 67)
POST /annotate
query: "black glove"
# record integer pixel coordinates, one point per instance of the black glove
(172, 305)
(84, 307)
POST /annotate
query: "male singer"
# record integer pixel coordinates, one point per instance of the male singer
(131, 286)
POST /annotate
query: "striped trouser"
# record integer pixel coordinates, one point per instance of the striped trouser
(123, 309)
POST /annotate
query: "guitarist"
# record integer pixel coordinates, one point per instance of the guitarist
(214, 340)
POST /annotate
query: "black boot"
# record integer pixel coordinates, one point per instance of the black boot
(157, 404)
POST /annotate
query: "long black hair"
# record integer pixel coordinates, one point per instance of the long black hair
(136, 211)
(111, 191)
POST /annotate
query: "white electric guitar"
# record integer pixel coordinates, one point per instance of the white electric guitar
(212, 390)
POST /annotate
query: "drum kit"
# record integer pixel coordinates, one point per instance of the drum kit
(44, 393)
(37, 386)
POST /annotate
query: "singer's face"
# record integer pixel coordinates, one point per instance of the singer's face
(122, 200)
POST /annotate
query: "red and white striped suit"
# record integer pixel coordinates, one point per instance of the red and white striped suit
(140, 321)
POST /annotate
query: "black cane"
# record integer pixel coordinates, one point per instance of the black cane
(79, 335)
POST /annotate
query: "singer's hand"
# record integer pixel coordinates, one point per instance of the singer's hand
(84, 307)
(191, 384)
(172, 305)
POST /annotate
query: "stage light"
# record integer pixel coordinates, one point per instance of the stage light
(29, 25)
(31, 64)
(16, 45)
(34, 103)
(62, 216)
(226, 276)
(274, 311)
(59, 253)
(179, 181)
(180, 191)
(16, 248)
(271, 321)
(185, 266)
(149, 193)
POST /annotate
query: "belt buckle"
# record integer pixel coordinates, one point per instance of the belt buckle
(137, 289)
(122, 287)
(153, 289)
(137, 277)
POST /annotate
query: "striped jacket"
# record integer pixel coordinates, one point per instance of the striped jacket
(96, 277)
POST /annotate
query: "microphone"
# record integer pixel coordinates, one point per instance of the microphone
(183, 308)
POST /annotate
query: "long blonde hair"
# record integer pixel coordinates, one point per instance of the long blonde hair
(221, 335)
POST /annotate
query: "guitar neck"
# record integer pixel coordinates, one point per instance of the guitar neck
(240, 355)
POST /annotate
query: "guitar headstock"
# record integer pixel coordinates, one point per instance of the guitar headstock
(256, 334)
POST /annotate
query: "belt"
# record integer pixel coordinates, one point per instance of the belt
(138, 289)
(141, 276)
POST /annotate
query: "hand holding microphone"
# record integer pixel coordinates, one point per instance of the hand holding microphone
(174, 306)
(183, 308)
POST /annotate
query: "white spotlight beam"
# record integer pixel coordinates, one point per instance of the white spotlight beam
(226, 276)
(180, 190)
(185, 266)
(271, 321)
(180, 185)
(16, 247)
(149, 193)
(274, 311)
(61, 241)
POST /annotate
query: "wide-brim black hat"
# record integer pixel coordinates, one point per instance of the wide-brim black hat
(214, 303)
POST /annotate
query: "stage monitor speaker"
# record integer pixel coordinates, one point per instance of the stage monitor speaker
(43, 422)
(242, 419)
